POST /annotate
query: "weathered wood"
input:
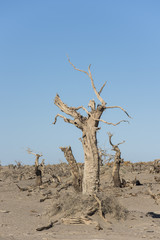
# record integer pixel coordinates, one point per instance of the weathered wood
(43, 199)
(65, 186)
(89, 125)
(22, 189)
(91, 180)
(78, 220)
(39, 168)
(117, 161)
(77, 176)
(100, 206)
(156, 166)
(47, 226)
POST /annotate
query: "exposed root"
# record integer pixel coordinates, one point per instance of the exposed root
(100, 207)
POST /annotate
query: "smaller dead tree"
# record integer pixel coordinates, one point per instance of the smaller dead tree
(39, 168)
(77, 176)
(156, 166)
(117, 161)
(105, 157)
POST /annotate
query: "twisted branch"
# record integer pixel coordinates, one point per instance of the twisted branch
(110, 135)
(110, 123)
(65, 119)
(100, 120)
(120, 108)
(120, 143)
(35, 154)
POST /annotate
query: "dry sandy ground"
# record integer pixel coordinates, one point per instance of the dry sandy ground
(22, 212)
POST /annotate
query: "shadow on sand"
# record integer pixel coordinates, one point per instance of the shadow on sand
(153, 215)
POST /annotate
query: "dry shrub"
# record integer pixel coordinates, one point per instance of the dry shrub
(111, 206)
(69, 204)
(60, 170)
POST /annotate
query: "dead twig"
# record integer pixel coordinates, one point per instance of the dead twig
(22, 189)
(46, 227)
(66, 186)
(43, 199)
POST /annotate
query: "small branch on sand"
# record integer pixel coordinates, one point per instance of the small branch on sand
(22, 189)
(46, 227)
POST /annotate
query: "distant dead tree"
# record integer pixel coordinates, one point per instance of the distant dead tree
(156, 166)
(117, 161)
(76, 174)
(39, 168)
(18, 164)
(105, 156)
(89, 127)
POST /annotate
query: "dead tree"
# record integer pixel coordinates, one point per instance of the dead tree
(89, 127)
(156, 166)
(104, 156)
(39, 168)
(76, 174)
(117, 161)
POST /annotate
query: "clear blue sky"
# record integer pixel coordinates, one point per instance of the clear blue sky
(121, 39)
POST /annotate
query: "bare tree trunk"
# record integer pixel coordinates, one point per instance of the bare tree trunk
(89, 126)
(38, 171)
(117, 161)
(39, 168)
(156, 165)
(91, 179)
(38, 176)
(116, 175)
(77, 177)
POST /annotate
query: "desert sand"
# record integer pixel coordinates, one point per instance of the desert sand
(56, 211)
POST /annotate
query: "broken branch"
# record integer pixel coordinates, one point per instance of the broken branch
(102, 88)
(65, 119)
(22, 189)
(35, 154)
(120, 143)
(46, 227)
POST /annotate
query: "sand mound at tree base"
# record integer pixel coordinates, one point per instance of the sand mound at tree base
(71, 205)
